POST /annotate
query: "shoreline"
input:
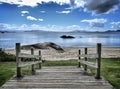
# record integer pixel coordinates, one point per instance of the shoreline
(71, 52)
(73, 47)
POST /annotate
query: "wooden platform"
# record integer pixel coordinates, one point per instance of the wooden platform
(59, 77)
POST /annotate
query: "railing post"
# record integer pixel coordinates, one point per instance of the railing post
(18, 70)
(40, 59)
(32, 66)
(98, 74)
(85, 66)
(79, 53)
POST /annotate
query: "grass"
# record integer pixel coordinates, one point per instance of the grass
(7, 70)
(110, 69)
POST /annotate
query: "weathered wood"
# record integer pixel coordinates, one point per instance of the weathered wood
(58, 80)
(98, 74)
(18, 70)
(20, 64)
(96, 65)
(89, 55)
(79, 53)
(85, 66)
(23, 64)
(24, 55)
(92, 64)
(32, 66)
(40, 59)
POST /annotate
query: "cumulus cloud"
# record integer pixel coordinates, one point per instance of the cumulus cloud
(33, 3)
(76, 3)
(64, 12)
(4, 26)
(39, 27)
(96, 6)
(40, 19)
(115, 25)
(33, 18)
(101, 6)
(95, 22)
(24, 12)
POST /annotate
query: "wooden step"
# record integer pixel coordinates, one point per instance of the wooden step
(54, 85)
(60, 77)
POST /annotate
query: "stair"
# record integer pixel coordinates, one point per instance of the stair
(59, 77)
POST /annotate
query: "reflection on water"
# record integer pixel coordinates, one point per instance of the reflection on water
(8, 40)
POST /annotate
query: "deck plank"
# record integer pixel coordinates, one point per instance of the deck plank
(60, 77)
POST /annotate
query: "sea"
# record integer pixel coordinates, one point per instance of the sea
(8, 40)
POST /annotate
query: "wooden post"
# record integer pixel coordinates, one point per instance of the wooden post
(18, 70)
(98, 74)
(32, 66)
(85, 66)
(40, 59)
(79, 53)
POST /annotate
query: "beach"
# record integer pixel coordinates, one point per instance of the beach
(70, 52)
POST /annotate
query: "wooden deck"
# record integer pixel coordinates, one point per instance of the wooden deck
(58, 77)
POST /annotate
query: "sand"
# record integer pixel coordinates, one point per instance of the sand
(71, 52)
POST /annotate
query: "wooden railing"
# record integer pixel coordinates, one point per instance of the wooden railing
(83, 59)
(22, 59)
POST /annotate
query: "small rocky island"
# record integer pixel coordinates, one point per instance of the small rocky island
(67, 37)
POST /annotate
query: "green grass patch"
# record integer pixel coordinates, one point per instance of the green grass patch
(110, 69)
(7, 70)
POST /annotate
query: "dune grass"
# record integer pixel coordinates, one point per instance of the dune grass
(110, 69)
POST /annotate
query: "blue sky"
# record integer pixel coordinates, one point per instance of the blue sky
(60, 15)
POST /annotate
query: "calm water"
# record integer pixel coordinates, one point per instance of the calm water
(8, 40)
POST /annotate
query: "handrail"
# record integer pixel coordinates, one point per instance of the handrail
(20, 64)
(96, 64)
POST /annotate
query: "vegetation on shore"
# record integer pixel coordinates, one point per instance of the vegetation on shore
(110, 68)
(4, 57)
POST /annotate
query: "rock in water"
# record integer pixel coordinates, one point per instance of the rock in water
(67, 37)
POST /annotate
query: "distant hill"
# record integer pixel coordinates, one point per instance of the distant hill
(113, 31)
(56, 31)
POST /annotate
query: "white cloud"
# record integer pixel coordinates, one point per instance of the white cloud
(77, 3)
(74, 27)
(24, 12)
(39, 27)
(33, 18)
(33, 3)
(64, 12)
(43, 11)
(96, 22)
(95, 6)
(4, 26)
(40, 19)
(115, 25)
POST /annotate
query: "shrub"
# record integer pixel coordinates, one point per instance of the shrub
(5, 57)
